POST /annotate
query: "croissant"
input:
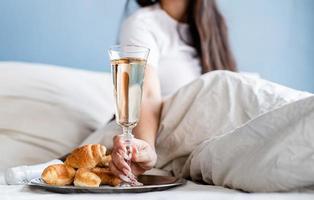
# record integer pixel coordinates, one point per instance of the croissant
(85, 178)
(106, 176)
(87, 156)
(58, 174)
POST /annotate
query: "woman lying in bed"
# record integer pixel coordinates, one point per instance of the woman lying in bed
(220, 127)
(186, 39)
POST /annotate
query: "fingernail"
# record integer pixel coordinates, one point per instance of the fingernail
(126, 172)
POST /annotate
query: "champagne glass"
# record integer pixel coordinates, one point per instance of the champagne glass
(128, 67)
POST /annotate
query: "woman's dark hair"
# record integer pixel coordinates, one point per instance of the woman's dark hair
(209, 34)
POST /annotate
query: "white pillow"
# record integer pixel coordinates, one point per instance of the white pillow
(46, 110)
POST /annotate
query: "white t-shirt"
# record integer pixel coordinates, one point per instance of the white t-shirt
(176, 62)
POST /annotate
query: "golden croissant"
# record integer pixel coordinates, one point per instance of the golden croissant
(58, 174)
(84, 159)
(106, 176)
(87, 156)
(85, 178)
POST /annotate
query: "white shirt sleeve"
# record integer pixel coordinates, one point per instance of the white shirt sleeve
(135, 31)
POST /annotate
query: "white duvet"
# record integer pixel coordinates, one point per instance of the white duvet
(230, 130)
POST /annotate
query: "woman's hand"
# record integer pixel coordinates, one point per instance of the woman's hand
(143, 158)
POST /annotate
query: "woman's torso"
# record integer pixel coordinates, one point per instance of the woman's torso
(176, 62)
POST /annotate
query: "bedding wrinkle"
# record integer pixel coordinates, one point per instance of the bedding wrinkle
(38, 145)
(29, 138)
(72, 111)
(241, 136)
(173, 108)
(273, 163)
(58, 102)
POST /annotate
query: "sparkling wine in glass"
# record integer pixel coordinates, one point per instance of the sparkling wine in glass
(128, 67)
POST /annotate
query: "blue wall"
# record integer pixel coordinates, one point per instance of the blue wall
(73, 33)
(274, 38)
(271, 37)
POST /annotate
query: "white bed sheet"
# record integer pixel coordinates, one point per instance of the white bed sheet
(189, 191)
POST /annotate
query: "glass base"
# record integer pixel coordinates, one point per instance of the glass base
(125, 184)
(132, 184)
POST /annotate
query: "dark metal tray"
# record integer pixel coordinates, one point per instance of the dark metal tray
(150, 183)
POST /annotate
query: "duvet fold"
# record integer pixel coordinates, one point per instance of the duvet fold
(245, 133)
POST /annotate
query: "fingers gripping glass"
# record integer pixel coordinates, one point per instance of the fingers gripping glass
(128, 67)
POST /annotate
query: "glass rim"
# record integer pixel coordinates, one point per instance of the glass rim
(119, 48)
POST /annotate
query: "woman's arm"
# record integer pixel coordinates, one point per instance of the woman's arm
(150, 108)
(144, 155)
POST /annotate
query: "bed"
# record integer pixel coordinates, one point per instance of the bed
(48, 110)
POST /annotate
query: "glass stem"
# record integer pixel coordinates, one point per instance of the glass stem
(127, 139)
